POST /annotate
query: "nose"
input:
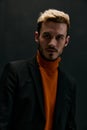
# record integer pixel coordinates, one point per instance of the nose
(53, 42)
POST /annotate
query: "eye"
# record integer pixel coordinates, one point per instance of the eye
(60, 37)
(47, 35)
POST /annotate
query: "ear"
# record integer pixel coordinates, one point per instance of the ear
(67, 40)
(36, 36)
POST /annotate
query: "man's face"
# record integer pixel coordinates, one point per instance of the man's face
(52, 39)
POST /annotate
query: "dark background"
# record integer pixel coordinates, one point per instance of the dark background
(17, 25)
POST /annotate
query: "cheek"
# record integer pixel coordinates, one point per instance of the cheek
(63, 43)
(61, 46)
(42, 43)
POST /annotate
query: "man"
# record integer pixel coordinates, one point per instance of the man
(36, 94)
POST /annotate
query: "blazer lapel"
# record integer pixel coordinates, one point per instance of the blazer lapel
(59, 100)
(34, 69)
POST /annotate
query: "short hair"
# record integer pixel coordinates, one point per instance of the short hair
(53, 15)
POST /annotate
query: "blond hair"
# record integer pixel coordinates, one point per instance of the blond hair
(53, 15)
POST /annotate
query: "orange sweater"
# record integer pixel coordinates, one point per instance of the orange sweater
(49, 75)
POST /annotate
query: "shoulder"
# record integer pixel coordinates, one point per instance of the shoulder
(17, 67)
(18, 64)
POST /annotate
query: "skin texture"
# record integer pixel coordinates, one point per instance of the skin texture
(52, 39)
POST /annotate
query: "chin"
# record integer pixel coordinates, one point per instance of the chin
(51, 58)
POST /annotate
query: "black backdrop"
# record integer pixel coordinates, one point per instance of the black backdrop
(17, 26)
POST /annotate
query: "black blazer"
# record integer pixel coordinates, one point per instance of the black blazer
(21, 99)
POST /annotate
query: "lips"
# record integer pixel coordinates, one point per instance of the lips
(51, 50)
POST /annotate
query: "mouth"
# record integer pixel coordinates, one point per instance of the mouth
(51, 50)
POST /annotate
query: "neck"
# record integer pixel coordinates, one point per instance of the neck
(48, 65)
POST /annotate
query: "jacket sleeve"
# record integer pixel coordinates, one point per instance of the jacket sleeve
(71, 122)
(8, 83)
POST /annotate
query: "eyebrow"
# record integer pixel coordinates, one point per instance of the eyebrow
(51, 33)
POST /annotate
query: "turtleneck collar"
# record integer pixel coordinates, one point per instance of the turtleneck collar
(48, 65)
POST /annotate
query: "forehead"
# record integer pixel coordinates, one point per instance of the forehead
(50, 26)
